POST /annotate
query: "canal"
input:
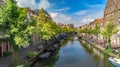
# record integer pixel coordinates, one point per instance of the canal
(75, 53)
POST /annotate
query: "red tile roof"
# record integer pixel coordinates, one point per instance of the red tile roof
(101, 20)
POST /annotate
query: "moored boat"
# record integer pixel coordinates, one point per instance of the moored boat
(115, 61)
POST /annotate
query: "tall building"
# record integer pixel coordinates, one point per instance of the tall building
(112, 11)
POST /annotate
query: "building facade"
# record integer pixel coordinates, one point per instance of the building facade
(112, 12)
(4, 44)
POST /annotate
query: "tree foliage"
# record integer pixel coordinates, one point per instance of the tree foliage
(109, 30)
(12, 20)
(96, 30)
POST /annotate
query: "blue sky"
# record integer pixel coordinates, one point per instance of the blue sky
(78, 12)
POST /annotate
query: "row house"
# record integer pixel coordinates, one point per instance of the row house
(31, 15)
(70, 25)
(65, 25)
(83, 27)
(112, 12)
(98, 22)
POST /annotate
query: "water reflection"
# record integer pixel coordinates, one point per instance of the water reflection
(75, 53)
(52, 60)
(101, 59)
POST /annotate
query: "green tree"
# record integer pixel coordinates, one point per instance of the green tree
(45, 27)
(109, 30)
(96, 31)
(47, 31)
(12, 21)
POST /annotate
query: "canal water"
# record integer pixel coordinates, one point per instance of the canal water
(75, 53)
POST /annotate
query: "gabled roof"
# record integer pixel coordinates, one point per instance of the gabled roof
(97, 21)
(101, 20)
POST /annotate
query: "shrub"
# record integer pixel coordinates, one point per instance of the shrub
(6, 53)
(107, 51)
(31, 54)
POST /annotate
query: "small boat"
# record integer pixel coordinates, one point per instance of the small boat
(115, 61)
(45, 55)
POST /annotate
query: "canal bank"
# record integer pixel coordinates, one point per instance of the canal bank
(74, 54)
(97, 46)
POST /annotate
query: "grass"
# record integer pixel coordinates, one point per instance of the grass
(109, 50)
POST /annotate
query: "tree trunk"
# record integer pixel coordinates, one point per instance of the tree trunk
(14, 55)
(14, 48)
(109, 42)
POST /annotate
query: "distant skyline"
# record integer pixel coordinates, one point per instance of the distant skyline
(78, 12)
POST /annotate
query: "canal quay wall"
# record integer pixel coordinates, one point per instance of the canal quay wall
(49, 49)
(95, 45)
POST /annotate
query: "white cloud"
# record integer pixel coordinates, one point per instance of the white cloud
(63, 9)
(86, 20)
(61, 18)
(88, 15)
(78, 18)
(53, 15)
(83, 17)
(33, 5)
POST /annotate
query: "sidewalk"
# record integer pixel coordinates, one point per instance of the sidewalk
(4, 61)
